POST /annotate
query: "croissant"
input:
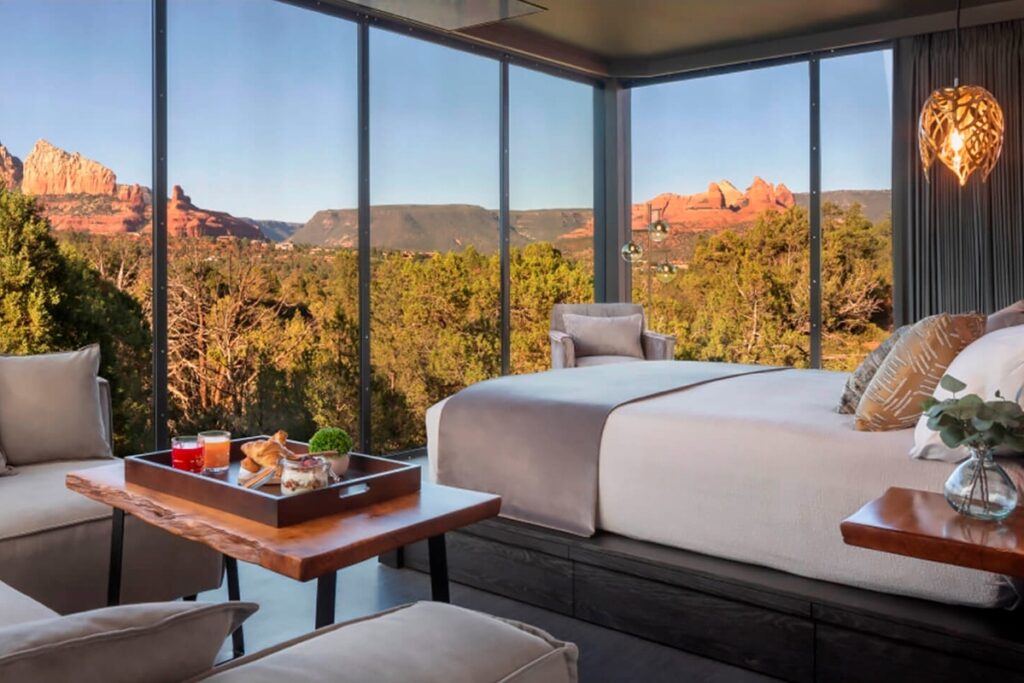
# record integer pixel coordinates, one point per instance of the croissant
(267, 453)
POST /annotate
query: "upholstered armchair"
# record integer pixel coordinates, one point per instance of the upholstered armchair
(564, 351)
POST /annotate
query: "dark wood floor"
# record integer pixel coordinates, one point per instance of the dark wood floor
(286, 611)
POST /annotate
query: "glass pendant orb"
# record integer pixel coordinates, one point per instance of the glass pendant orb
(665, 272)
(658, 230)
(963, 128)
(632, 252)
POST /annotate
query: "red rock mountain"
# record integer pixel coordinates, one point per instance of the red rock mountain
(81, 194)
(722, 206)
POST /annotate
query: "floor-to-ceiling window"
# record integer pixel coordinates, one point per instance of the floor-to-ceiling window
(75, 135)
(551, 191)
(262, 266)
(723, 160)
(856, 227)
(434, 176)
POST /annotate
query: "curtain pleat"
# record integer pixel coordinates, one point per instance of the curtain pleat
(957, 250)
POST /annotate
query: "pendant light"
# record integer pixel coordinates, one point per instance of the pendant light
(961, 126)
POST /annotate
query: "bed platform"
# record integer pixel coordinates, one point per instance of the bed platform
(790, 627)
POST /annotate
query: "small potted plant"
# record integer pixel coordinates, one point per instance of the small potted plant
(332, 444)
(978, 487)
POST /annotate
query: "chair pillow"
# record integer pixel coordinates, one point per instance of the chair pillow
(606, 336)
(861, 377)
(993, 363)
(160, 642)
(50, 407)
(1007, 317)
(912, 370)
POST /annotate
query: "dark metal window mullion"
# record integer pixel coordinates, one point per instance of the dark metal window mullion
(363, 117)
(814, 67)
(159, 207)
(503, 217)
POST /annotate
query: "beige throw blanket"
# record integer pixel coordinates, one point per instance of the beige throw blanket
(535, 439)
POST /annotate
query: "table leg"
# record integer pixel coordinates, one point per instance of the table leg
(438, 568)
(116, 558)
(326, 591)
(234, 593)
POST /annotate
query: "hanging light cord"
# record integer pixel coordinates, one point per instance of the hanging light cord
(956, 75)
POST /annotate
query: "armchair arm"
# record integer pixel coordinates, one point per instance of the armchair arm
(658, 346)
(563, 350)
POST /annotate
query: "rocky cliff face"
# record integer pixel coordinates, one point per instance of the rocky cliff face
(81, 194)
(721, 206)
(52, 171)
(10, 168)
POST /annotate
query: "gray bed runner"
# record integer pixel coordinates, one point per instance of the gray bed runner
(536, 439)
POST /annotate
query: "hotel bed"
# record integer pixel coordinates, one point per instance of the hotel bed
(761, 469)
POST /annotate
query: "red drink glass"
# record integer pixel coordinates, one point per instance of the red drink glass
(187, 453)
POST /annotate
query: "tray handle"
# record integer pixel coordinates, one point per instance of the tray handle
(354, 491)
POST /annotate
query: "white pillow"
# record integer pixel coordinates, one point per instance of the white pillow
(993, 362)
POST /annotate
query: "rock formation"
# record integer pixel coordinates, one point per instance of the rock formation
(10, 168)
(721, 206)
(185, 219)
(52, 171)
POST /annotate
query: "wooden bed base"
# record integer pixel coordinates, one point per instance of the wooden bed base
(768, 621)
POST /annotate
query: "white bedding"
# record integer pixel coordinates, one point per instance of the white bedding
(761, 469)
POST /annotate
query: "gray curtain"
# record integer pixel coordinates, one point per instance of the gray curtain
(957, 251)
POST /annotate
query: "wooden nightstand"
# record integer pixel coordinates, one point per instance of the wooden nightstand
(922, 524)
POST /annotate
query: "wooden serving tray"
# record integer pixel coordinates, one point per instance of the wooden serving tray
(368, 480)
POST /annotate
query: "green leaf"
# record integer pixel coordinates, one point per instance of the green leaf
(952, 436)
(981, 424)
(952, 384)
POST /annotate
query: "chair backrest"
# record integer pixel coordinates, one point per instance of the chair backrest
(594, 311)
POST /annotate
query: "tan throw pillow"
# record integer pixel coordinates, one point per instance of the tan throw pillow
(605, 336)
(861, 377)
(160, 642)
(1010, 316)
(912, 370)
(50, 407)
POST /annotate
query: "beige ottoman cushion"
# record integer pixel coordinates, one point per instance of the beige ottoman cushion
(163, 642)
(427, 642)
(17, 608)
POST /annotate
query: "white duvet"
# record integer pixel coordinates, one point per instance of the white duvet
(761, 469)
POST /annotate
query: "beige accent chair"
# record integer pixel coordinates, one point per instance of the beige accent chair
(55, 543)
(563, 352)
(425, 642)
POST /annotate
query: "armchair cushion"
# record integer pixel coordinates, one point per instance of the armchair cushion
(611, 336)
(563, 351)
(156, 642)
(50, 407)
(590, 361)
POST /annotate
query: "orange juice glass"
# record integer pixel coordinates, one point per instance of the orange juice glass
(216, 451)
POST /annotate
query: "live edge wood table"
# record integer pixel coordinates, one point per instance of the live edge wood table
(316, 549)
(923, 525)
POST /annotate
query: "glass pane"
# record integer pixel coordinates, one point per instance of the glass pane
(551, 192)
(263, 311)
(724, 161)
(434, 230)
(75, 144)
(856, 169)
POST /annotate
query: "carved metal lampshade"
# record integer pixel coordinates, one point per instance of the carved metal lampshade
(963, 128)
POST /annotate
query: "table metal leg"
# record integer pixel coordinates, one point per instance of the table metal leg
(234, 593)
(116, 558)
(438, 569)
(326, 590)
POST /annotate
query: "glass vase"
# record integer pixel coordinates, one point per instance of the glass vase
(980, 488)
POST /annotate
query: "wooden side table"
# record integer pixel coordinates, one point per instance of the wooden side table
(921, 524)
(316, 549)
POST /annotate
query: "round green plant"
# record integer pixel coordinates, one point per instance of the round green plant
(974, 422)
(330, 439)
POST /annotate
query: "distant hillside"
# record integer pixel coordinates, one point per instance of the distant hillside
(877, 204)
(275, 231)
(441, 227)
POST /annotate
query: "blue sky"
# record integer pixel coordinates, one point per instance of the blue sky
(738, 125)
(262, 113)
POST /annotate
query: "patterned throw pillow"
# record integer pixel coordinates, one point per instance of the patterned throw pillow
(912, 370)
(861, 377)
